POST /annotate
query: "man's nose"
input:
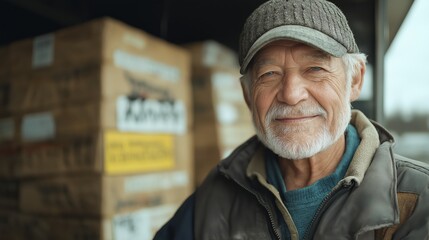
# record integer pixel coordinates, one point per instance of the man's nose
(292, 89)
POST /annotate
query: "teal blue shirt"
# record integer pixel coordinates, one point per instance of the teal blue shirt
(303, 203)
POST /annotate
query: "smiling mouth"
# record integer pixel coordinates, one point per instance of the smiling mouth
(292, 119)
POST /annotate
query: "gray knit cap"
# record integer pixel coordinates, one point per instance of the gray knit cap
(318, 23)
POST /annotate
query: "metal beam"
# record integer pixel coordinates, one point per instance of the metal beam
(382, 32)
(397, 10)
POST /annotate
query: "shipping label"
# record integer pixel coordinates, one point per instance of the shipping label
(142, 224)
(43, 50)
(38, 127)
(132, 153)
(151, 115)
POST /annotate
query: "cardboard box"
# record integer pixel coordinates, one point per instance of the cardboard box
(219, 112)
(34, 90)
(9, 193)
(9, 129)
(83, 154)
(219, 107)
(89, 195)
(59, 123)
(106, 62)
(9, 157)
(9, 150)
(77, 84)
(70, 87)
(87, 137)
(100, 59)
(9, 225)
(107, 152)
(141, 224)
(209, 53)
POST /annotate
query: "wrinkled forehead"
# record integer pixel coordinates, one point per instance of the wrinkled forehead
(299, 51)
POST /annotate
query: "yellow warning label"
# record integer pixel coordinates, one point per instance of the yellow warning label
(132, 152)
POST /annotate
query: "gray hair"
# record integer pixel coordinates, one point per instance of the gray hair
(351, 61)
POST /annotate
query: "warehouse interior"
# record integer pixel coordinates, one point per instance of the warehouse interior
(375, 23)
(134, 204)
(175, 21)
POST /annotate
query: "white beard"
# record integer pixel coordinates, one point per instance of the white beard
(280, 138)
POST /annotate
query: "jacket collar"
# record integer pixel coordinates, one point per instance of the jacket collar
(370, 141)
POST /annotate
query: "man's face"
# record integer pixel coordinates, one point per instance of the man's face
(299, 99)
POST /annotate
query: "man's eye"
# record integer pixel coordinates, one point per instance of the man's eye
(315, 69)
(267, 74)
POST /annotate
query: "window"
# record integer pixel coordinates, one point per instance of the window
(406, 89)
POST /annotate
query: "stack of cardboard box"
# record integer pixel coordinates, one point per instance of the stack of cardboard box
(95, 133)
(7, 129)
(221, 118)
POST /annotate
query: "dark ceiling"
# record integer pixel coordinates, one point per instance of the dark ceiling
(173, 20)
(177, 21)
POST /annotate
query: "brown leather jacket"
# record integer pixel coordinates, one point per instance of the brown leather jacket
(382, 196)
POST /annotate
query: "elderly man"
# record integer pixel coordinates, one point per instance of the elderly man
(316, 169)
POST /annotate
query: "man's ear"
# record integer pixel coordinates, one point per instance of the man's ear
(357, 82)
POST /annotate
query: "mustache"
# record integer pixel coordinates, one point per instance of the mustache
(284, 111)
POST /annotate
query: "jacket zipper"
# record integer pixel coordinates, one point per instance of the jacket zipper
(270, 215)
(325, 204)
